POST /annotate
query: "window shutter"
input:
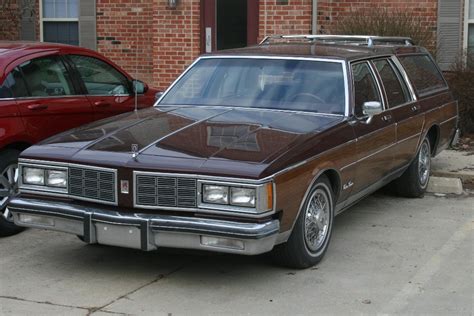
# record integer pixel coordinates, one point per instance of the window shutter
(449, 32)
(87, 24)
(28, 22)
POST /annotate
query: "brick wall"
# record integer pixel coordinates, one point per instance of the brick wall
(291, 18)
(155, 43)
(9, 20)
(124, 34)
(330, 12)
(149, 40)
(176, 40)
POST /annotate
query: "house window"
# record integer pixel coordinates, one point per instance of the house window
(469, 29)
(60, 21)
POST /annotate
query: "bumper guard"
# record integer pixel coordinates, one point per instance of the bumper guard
(145, 231)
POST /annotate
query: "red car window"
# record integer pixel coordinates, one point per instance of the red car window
(47, 77)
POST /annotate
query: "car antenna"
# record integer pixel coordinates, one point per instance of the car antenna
(136, 71)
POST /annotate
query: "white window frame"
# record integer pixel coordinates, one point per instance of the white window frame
(467, 22)
(41, 19)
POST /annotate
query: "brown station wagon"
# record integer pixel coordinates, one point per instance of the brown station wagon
(249, 151)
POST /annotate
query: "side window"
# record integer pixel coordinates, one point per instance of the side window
(99, 77)
(13, 86)
(47, 77)
(396, 90)
(423, 73)
(365, 88)
(5, 91)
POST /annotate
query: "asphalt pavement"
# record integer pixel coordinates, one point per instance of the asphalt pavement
(388, 255)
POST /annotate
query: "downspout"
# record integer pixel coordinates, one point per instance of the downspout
(314, 18)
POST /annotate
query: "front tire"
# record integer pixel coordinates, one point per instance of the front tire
(311, 234)
(414, 180)
(8, 189)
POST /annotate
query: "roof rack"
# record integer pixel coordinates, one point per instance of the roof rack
(368, 40)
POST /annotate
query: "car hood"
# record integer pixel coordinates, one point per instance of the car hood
(192, 135)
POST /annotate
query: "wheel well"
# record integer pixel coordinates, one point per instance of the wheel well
(433, 137)
(18, 146)
(335, 181)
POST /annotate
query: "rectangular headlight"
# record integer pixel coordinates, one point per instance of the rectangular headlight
(34, 176)
(243, 197)
(215, 194)
(56, 178)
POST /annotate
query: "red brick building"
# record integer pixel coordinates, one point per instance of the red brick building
(157, 39)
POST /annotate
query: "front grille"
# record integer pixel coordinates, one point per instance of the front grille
(166, 191)
(92, 184)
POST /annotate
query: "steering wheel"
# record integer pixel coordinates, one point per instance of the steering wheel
(296, 96)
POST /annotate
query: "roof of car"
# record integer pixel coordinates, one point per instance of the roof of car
(321, 50)
(12, 50)
(7, 47)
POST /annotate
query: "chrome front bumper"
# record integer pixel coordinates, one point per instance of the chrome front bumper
(145, 231)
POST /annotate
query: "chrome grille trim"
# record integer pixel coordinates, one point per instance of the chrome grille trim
(91, 184)
(107, 196)
(165, 191)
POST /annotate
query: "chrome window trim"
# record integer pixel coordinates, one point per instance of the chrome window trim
(434, 91)
(206, 207)
(376, 79)
(332, 60)
(381, 88)
(54, 164)
(161, 106)
(401, 81)
(404, 74)
(48, 97)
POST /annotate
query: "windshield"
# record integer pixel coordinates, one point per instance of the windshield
(286, 84)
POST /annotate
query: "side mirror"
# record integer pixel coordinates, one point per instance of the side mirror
(139, 87)
(158, 95)
(371, 108)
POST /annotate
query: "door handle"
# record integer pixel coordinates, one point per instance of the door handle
(387, 118)
(415, 108)
(102, 104)
(36, 107)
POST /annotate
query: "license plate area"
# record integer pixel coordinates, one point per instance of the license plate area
(118, 235)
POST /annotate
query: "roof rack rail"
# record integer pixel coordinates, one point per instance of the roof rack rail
(368, 40)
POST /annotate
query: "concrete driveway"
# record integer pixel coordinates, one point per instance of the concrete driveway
(388, 255)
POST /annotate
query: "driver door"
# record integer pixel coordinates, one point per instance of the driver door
(108, 90)
(375, 138)
(48, 101)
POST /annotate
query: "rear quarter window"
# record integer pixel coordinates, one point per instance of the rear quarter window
(423, 73)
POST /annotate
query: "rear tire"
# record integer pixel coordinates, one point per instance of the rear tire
(414, 180)
(311, 234)
(8, 188)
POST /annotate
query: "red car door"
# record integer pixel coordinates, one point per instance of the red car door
(108, 89)
(53, 102)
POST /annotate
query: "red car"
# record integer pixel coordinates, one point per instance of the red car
(49, 88)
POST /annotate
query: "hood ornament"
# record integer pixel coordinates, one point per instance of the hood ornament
(134, 151)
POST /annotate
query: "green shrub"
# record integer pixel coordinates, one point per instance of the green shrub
(381, 21)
